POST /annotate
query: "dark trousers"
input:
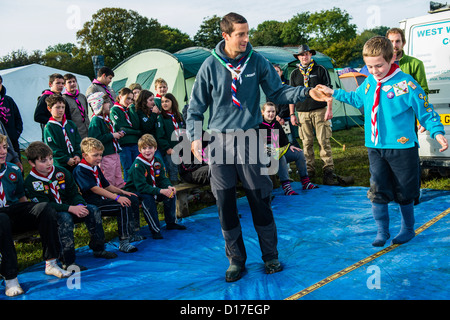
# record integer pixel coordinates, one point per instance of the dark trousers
(258, 188)
(149, 209)
(394, 175)
(22, 217)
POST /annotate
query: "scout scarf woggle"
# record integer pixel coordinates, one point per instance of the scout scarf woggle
(376, 102)
(306, 71)
(236, 73)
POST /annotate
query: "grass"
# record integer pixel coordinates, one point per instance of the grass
(349, 160)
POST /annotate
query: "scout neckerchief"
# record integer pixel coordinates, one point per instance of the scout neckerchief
(150, 164)
(275, 150)
(94, 170)
(2, 190)
(52, 184)
(176, 127)
(236, 73)
(306, 71)
(79, 105)
(376, 101)
(3, 111)
(95, 81)
(108, 123)
(63, 127)
(48, 92)
(125, 111)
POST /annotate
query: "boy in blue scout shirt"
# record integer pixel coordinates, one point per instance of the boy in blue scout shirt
(56, 186)
(61, 135)
(17, 214)
(110, 200)
(147, 178)
(391, 100)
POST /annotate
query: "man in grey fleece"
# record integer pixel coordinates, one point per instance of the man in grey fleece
(228, 84)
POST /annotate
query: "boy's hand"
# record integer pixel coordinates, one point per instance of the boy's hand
(71, 162)
(124, 201)
(294, 148)
(319, 93)
(443, 142)
(129, 194)
(169, 192)
(80, 211)
(77, 159)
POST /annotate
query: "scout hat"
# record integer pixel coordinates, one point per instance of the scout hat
(302, 49)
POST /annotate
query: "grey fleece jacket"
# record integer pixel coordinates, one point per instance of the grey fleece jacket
(212, 89)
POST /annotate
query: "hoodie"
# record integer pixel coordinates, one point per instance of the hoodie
(212, 90)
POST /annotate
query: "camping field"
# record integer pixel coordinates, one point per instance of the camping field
(350, 157)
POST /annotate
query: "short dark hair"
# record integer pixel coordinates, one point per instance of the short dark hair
(37, 150)
(396, 30)
(226, 24)
(69, 76)
(53, 99)
(55, 76)
(105, 70)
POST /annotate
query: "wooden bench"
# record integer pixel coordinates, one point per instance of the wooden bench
(183, 190)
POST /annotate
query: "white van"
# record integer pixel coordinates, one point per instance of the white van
(428, 39)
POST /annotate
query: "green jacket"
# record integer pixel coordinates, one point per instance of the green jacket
(164, 130)
(147, 122)
(99, 129)
(140, 180)
(54, 138)
(132, 132)
(12, 182)
(416, 69)
(38, 190)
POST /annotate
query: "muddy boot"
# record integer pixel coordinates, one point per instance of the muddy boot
(329, 178)
(345, 181)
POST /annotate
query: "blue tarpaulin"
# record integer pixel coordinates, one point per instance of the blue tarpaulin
(320, 232)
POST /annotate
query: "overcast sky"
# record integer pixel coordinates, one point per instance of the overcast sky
(32, 25)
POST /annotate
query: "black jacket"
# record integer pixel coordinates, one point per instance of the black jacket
(13, 124)
(319, 75)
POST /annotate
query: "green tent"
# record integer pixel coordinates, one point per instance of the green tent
(178, 69)
(344, 116)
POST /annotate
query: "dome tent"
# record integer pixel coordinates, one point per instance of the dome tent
(178, 70)
(25, 85)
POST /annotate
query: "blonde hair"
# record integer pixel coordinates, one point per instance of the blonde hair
(88, 144)
(3, 139)
(147, 140)
(379, 46)
(160, 81)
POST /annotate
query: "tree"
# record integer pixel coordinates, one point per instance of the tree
(115, 32)
(209, 33)
(268, 33)
(330, 26)
(295, 30)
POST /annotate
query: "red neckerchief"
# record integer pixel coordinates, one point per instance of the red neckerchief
(376, 101)
(125, 111)
(63, 127)
(2, 191)
(52, 184)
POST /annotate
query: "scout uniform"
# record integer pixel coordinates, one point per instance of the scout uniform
(60, 191)
(18, 216)
(64, 140)
(78, 110)
(393, 103)
(146, 180)
(88, 177)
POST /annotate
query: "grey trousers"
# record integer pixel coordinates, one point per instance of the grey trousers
(257, 186)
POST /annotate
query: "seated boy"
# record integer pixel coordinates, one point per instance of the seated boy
(17, 214)
(55, 185)
(393, 100)
(61, 135)
(148, 179)
(110, 200)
